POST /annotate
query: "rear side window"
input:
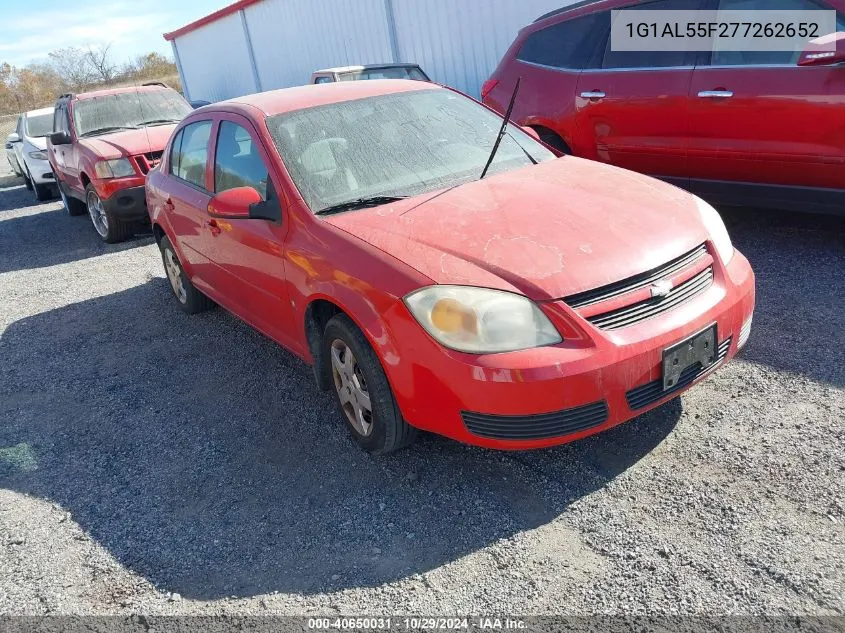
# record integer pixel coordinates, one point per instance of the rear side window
(189, 153)
(652, 59)
(570, 44)
(237, 161)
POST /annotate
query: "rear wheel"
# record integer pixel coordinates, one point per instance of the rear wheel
(190, 299)
(108, 226)
(363, 393)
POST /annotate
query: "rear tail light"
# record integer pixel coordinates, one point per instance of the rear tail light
(488, 86)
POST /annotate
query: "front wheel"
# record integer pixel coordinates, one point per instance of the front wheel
(190, 299)
(363, 393)
(71, 204)
(109, 227)
(42, 192)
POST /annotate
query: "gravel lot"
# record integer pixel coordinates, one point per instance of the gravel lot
(160, 463)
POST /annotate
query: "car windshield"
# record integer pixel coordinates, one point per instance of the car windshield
(401, 144)
(127, 110)
(396, 72)
(39, 125)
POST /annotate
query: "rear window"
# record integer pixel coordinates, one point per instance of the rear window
(570, 44)
(39, 125)
(128, 110)
(402, 72)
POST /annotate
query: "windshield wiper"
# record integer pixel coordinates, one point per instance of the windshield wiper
(502, 130)
(105, 130)
(359, 203)
(159, 122)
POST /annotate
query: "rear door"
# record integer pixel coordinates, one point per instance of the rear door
(248, 253)
(188, 194)
(633, 111)
(759, 119)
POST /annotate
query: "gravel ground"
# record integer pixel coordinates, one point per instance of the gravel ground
(160, 463)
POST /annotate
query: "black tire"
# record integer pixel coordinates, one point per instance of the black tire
(42, 192)
(26, 181)
(554, 141)
(192, 301)
(114, 230)
(72, 205)
(388, 431)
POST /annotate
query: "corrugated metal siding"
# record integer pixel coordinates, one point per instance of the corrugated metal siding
(293, 38)
(459, 43)
(215, 60)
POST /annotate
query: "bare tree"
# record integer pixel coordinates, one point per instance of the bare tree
(73, 66)
(101, 63)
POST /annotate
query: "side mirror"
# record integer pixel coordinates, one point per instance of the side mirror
(14, 137)
(530, 131)
(60, 138)
(824, 51)
(234, 203)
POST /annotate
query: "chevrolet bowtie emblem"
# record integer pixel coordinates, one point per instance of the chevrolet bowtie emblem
(662, 288)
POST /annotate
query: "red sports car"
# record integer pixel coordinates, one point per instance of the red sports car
(548, 300)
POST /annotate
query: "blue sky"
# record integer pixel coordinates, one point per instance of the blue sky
(29, 29)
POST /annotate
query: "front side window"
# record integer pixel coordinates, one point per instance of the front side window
(652, 59)
(765, 58)
(570, 44)
(237, 161)
(399, 144)
(39, 126)
(128, 110)
(189, 153)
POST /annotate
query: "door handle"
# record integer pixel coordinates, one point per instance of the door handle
(213, 227)
(593, 94)
(715, 94)
(169, 206)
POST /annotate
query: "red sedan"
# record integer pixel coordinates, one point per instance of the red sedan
(548, 300)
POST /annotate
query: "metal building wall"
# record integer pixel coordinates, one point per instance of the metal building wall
(214, 61)
(293, 38)
(457, 42)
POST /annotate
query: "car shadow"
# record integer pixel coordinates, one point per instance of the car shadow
(798, 260)
(203, 457)
(51, 237)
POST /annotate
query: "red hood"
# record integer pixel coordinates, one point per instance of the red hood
(547, 231)
(129, 142)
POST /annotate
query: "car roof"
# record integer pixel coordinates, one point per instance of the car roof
(40, 111)
(355, 69)
(115, 91)
(311, 95)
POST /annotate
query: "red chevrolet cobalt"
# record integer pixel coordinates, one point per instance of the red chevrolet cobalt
(442, 271)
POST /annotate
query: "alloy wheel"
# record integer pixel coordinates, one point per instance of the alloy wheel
(174, 275)
(97, 213)
(351, 388)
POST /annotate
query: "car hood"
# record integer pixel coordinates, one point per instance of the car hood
(547, 231)
(129, 142)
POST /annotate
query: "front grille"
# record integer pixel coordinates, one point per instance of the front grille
(611, 291)
(634, 313)
(146, 162)
(536, 427)
(649, 393)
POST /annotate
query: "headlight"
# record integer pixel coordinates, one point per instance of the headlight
(116, 168)
(39, 155)
(480, 320)
(716, 228)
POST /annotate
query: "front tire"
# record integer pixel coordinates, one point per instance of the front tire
(362, 391)
(42, 192)
(71, 204)
(109, 227)
(26, 180)
(191, 300)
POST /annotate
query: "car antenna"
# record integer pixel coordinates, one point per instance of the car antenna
(504, 127)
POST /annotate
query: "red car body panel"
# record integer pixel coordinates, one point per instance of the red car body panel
(778, 141)
(483, 233)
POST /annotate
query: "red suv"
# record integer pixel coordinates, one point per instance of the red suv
(102, 147)
(757, 128)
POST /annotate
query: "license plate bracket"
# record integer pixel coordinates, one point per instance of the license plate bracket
(699, 348)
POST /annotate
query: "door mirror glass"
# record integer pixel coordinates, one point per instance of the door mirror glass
(234, 203)
(824, 51)
(13, 138)
(60, 138)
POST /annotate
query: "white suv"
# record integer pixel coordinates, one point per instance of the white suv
(31, 151)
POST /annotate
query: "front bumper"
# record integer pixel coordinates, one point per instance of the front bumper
(40, 171)
(128, 204)
(558, 394)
